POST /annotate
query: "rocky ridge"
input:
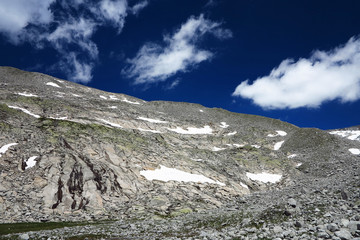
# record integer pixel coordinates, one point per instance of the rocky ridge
(73, 153)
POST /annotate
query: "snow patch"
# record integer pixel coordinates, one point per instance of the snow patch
(75, 95)
(244, 185)
(216, 149)
(151, 120)
(6, 147)
(292, 155)
(113, 107)
(224, 125)
(27, 94)
(52, 84)
(264, 177)
(278, 145)
(349, 134)
(231, 134)
(103, 97)
(191, 130)
(148, 130)
(31, 162)
(355, 151)
(127, 101)
(256, 146)
(58, 118)
(201, 110)
(197, 159)
(298, 164)
(25, 111)
(278, 133)
(166, 174)
(111, 124)
(112, 97)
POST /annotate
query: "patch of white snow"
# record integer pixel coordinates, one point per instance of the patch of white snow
(256, 146)
(216, 149)
(264, 177)
(103, 97)
(355, 151)
(111, 124)
(231, 134)
(148, 130)
(113, 107)
(127, 101)
(244, 185)
(349, 134)
(197, 159)
(292, 155)
(112, 97)
(52, 84)
(6, 147)
(278, 145)
(278, 133)
(298, 164)
(27, 94)
(201, 110)
(31, 162)
(151, 120)
(224, 125)
(25, 111)
(166, 174)
(75, 95)
(191, 130)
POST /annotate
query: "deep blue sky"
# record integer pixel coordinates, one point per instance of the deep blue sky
(262, 34)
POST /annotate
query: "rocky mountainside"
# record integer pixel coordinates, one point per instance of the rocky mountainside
(167, 170)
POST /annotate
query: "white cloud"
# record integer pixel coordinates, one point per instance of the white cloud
(15, 15)
(154, 63)
(325, 76)
(75, 69)
(69, 31)
(138, 7)
(114, 11)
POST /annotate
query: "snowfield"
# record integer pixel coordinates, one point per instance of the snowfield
(278, 133)
(191, 130)
(349, 134)
(148, 130)
(151, 120)
(231, 133)
(111, 124)
(6, 147)
(127, 101)
(52, 84)
(224, 125)
(27, 94)
(31, 162)
(166, 174)
(277, 145)
(25, 111)
(355, 151)
(264, 177)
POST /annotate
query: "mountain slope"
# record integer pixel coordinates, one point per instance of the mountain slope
(70, 152)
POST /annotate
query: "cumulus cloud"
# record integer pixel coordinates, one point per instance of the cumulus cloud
(68, 30)
(154, 63)
(325, 76)
(15, 15)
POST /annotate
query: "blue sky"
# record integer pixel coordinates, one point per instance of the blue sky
(297, 61)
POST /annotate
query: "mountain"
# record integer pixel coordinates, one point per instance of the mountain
(167, 169)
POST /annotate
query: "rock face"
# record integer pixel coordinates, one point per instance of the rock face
(70, 152)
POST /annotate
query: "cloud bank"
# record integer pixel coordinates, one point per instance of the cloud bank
(180, 51)
(325, 76)
(68, 30)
